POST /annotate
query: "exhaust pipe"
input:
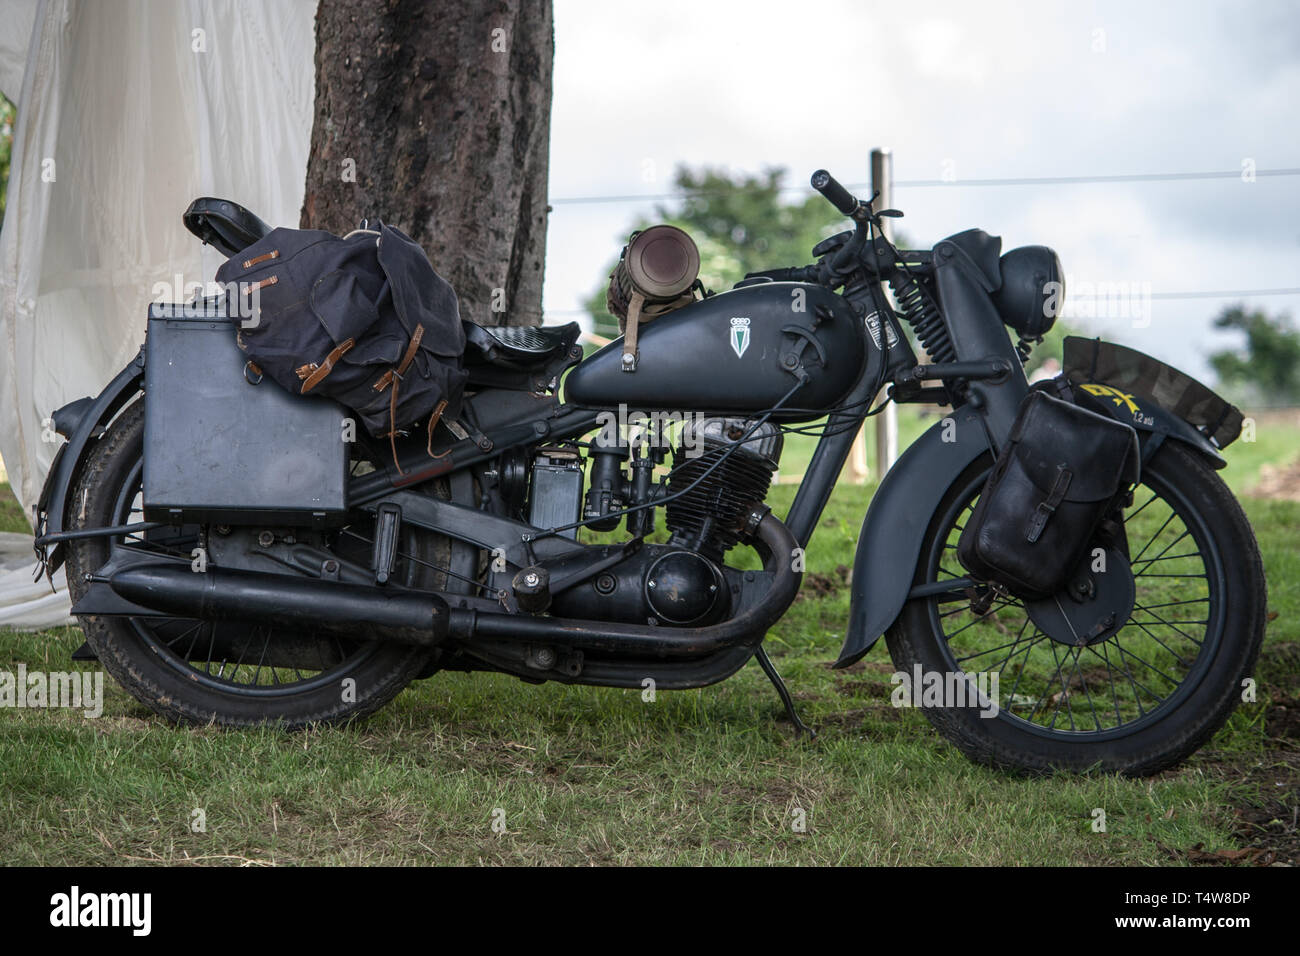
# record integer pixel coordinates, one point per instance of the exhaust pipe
(641, 640)
(362, 611)
(331, 607)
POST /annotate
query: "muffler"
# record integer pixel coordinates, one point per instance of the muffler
(356, 611)
(641, 640)
(364, 612)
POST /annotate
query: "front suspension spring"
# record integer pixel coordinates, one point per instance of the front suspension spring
(919, 309)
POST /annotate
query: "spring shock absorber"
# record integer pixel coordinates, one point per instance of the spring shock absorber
(919, 309)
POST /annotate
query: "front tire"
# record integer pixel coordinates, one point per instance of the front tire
(1136, 703)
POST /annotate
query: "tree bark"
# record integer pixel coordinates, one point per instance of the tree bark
(435, 118)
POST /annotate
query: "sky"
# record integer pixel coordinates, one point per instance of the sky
(959, 92)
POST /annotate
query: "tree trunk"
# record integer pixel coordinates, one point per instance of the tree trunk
(435, 118)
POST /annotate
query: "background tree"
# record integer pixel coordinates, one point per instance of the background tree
(1266, 369)
(6, 149)
(435, 117)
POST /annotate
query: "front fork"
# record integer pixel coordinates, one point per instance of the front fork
(867, 298)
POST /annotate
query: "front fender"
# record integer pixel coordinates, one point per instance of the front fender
(1153, 423)
(896, 522)
(80, 422)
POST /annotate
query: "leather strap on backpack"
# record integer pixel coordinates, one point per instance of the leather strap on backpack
(313, 374)
(433, 423)
(395, 376)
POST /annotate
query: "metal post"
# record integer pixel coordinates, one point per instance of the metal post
(882, 182)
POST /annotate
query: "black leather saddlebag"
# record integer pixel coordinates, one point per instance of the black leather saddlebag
(1062, 470)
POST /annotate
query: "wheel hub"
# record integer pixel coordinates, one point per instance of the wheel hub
(1093, 605)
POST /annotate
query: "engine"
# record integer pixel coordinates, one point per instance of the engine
(709, 517)
(681, 583)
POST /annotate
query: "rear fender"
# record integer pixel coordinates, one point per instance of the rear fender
(81, 422)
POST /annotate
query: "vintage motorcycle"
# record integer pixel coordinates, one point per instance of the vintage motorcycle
(232, 561)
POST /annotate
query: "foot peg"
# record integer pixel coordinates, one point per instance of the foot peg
(388, 522)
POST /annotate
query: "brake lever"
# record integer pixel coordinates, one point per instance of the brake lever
(831, 243)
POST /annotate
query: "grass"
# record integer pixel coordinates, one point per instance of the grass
(579, 775)
(11, 512)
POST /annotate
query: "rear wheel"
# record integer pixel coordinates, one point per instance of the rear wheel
(1137, 702)
(232, 673)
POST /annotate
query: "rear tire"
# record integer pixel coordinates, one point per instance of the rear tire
(1147, 732)
(136, 653)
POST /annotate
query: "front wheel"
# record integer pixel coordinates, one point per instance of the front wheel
(1136, 703)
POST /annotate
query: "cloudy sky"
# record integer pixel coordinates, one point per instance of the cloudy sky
(960, 92)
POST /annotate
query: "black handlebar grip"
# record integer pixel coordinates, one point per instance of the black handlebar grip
(839, 197)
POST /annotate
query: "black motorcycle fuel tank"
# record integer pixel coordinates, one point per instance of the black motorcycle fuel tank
(738, 351)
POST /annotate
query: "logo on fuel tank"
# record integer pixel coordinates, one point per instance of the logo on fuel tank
(739, 335)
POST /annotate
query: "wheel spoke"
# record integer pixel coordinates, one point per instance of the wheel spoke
(1125, 652)
(1147, 563)
(1169, 624)
(1172, 652)
(1111, 674)
(1019, 635)
(1154, 537)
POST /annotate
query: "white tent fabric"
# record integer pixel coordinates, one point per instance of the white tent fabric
(127, 110)
(26, 604)
(16, 18)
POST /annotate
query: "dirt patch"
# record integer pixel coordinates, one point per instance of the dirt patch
(857, 721)
(868, 688)
(1266, 808)
(1270, 832)
(1282, 719)
(817, 585)
(857, 667)
(1278, 482)
(1266, 826)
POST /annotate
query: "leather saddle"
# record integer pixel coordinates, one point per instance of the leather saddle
(226, 225)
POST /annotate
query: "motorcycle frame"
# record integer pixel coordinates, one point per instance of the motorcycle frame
(992, 384)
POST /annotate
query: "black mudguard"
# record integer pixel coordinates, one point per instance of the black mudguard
(896, 523)
(900, 512)
(81, 422)
(1153, 423)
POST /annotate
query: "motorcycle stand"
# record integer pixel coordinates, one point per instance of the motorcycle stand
(769, 669)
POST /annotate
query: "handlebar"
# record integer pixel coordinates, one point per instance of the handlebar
(839, 197)
(849, 252)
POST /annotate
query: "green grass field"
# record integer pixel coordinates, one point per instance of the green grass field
(576, 775)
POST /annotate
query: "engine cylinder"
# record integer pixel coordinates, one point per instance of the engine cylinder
(709, 517)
